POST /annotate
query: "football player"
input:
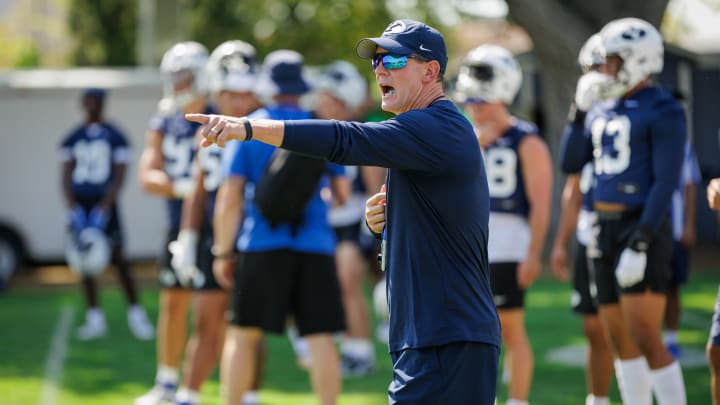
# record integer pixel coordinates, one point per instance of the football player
(166, 171)
(713, 345)
(231, 72)
(341, 92)
(94, 158)
(636, 140)
(577, 217)
(519, 171)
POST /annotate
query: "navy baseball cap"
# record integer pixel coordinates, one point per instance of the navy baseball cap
(94, 92)
(403, 37)
(284, 68)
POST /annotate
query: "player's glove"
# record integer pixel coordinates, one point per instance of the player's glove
(633, 260)
(98, 218)
(590, 89)
(76, 218)
(184, 256)
(182, 186)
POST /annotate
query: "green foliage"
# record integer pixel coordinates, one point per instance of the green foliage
(104, 32)
(322, 31)
(28, 56)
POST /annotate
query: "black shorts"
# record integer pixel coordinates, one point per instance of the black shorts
(584, 294)
(507, 293)
(273, 284)
(205, 280)
(680, 264)
(167, 276)
(615, 232)
(113, 230)
(368, 244)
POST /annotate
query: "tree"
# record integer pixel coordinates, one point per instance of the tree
(104, 32)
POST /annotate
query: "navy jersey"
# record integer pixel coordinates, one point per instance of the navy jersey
(94, 149)
(504, 170)
(210, 160)
(437, 218)
(636, 144)
(178, 151)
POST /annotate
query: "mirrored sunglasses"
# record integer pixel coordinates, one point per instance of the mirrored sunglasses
(391, 62)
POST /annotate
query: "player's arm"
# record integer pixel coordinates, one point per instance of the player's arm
(341, 189)
(153, 177)
(229, 203)
(373, 178)
(194, 202)
(67, 168)
(575, 146)
(570, 203)
(537, 176)
(713, 193)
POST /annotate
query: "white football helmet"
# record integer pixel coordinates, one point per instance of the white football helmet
(591, 54)
(489, 73)
(342, 80)
(183, 73)
(232, 66)
(87, 252)
(640, 46)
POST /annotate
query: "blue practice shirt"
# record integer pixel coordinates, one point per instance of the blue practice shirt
(249, 160)
(437, 218)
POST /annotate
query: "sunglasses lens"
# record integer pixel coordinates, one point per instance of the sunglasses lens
(389, 61)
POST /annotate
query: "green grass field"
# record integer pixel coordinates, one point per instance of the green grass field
(118, 368)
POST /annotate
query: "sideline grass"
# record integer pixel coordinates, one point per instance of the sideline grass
(118, 368)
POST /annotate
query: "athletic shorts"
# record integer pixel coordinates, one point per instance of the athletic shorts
(680, 264)
(368, 244)
(456, 373)
(205, 279)
(167, 276)
(507, 294)
(615, 231)
(584, 294)
(715, 327)
(112, 230)
(273, 284)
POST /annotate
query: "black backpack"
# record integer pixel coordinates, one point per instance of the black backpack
(286, 187)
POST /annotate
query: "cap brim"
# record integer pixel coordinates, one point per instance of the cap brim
(366, 47)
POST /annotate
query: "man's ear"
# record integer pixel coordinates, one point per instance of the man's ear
(432, 71)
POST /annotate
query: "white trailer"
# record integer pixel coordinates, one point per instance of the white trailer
(37, 109)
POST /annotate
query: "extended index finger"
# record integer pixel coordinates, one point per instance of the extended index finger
(199, 118)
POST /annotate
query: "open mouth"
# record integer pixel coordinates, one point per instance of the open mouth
(387, 90)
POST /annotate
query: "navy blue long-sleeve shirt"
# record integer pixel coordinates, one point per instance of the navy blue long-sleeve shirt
(436, 218)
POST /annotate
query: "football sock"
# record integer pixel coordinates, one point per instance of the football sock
(670, 336)
(591, 399)
(634, 381)
(668, 385)
(167, 375)
(187, 396)
(358, 348)
(513, 401)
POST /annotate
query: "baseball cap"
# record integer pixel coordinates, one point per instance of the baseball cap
(284, 68)
(403, 37)
(94, 92)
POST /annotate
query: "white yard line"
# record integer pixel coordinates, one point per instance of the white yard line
(56, 357)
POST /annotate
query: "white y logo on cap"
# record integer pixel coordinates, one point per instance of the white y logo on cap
(422, 48)
(396, 27)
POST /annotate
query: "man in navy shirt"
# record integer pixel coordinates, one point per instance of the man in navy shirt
(94, 158)
(636, 142)
(444, 329)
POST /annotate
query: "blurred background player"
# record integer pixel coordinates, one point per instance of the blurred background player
(231, 72)
(636, 143)
(284, 269)
(713, 344)
(519, 171)
(577, 217)
(341, 92)
(166, 171)
(94, 158)
(682, 215)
